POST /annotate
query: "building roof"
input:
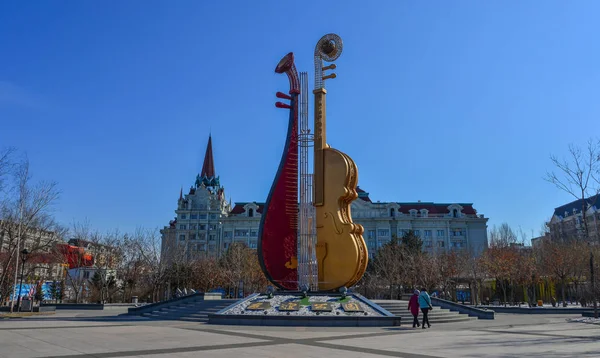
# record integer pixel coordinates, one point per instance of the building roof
(435, 208)
(208, 167)
(238, 208)
(432, 208)
(577, 204)
(363, 194)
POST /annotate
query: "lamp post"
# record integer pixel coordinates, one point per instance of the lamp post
(24, 254)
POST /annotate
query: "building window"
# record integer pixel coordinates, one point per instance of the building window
(227, 234)
(441, 233)
(193, 226)
(202, 216)
(371, 234)
(392, 212)
(253, 245)
(183, 216)
(182, 227)
(383, 232)
(211, 237)
(192, 236)
(401, 233)
(194, 216)
(427, 233)
(226, 245)
(413, 212)
(213, 216)
(253, 233)
(86, 275)
(250, 213)
(202, 236)
(424, 213)
(371, 244)
(201, 247)
(212, 227)
(454, 213)
(428, 243)
(440, 244)
(417, 232)
(202, 227)
(241, 232)
(458, 232)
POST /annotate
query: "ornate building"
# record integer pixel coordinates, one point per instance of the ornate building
(198, 225)
(206, 224)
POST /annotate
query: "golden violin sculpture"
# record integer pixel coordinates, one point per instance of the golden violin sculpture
(341, 251)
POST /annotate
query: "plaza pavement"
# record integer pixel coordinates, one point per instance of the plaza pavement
(80, 334)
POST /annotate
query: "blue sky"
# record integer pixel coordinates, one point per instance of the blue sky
(459, 101)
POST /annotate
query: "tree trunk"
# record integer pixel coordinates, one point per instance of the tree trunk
(563, 290)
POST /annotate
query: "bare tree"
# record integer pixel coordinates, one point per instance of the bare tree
(475, 271)
(502, 236)
(25, 216)
(107, 251)
(6, 163)
(234, 265)
(389, 265)
(501, 257)
(559, 260)
(579, 176)
(153, 267)
(77, 259)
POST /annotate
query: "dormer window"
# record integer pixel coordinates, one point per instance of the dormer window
(392, 212)
(455, 211)
(424, 213)
(413, 212)
(250, 213)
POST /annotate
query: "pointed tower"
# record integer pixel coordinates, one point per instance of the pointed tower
(208, 167)
(207, 176)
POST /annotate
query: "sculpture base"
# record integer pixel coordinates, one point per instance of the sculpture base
(292, 309)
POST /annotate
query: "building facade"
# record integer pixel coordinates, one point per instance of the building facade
(567, 220)
(206, 224)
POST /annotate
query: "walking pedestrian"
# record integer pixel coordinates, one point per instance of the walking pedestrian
(413, 306)
(425, 304)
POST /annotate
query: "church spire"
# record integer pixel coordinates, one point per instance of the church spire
(208, 167)
(207, 176)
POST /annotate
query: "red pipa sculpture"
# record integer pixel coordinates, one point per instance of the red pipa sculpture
(278, 232)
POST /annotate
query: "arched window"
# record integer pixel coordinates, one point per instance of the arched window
(392, 212)
(250, 212)
(455, 213)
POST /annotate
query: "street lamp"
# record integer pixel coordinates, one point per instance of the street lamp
(24, 254)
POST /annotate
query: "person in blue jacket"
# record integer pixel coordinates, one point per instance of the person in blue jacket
(425, 304)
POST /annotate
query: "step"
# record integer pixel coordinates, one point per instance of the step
(193, 319)
(406, 316)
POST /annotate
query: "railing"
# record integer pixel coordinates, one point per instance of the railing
(457, 307)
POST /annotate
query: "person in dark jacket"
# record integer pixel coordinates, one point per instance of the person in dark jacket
(413, 306)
